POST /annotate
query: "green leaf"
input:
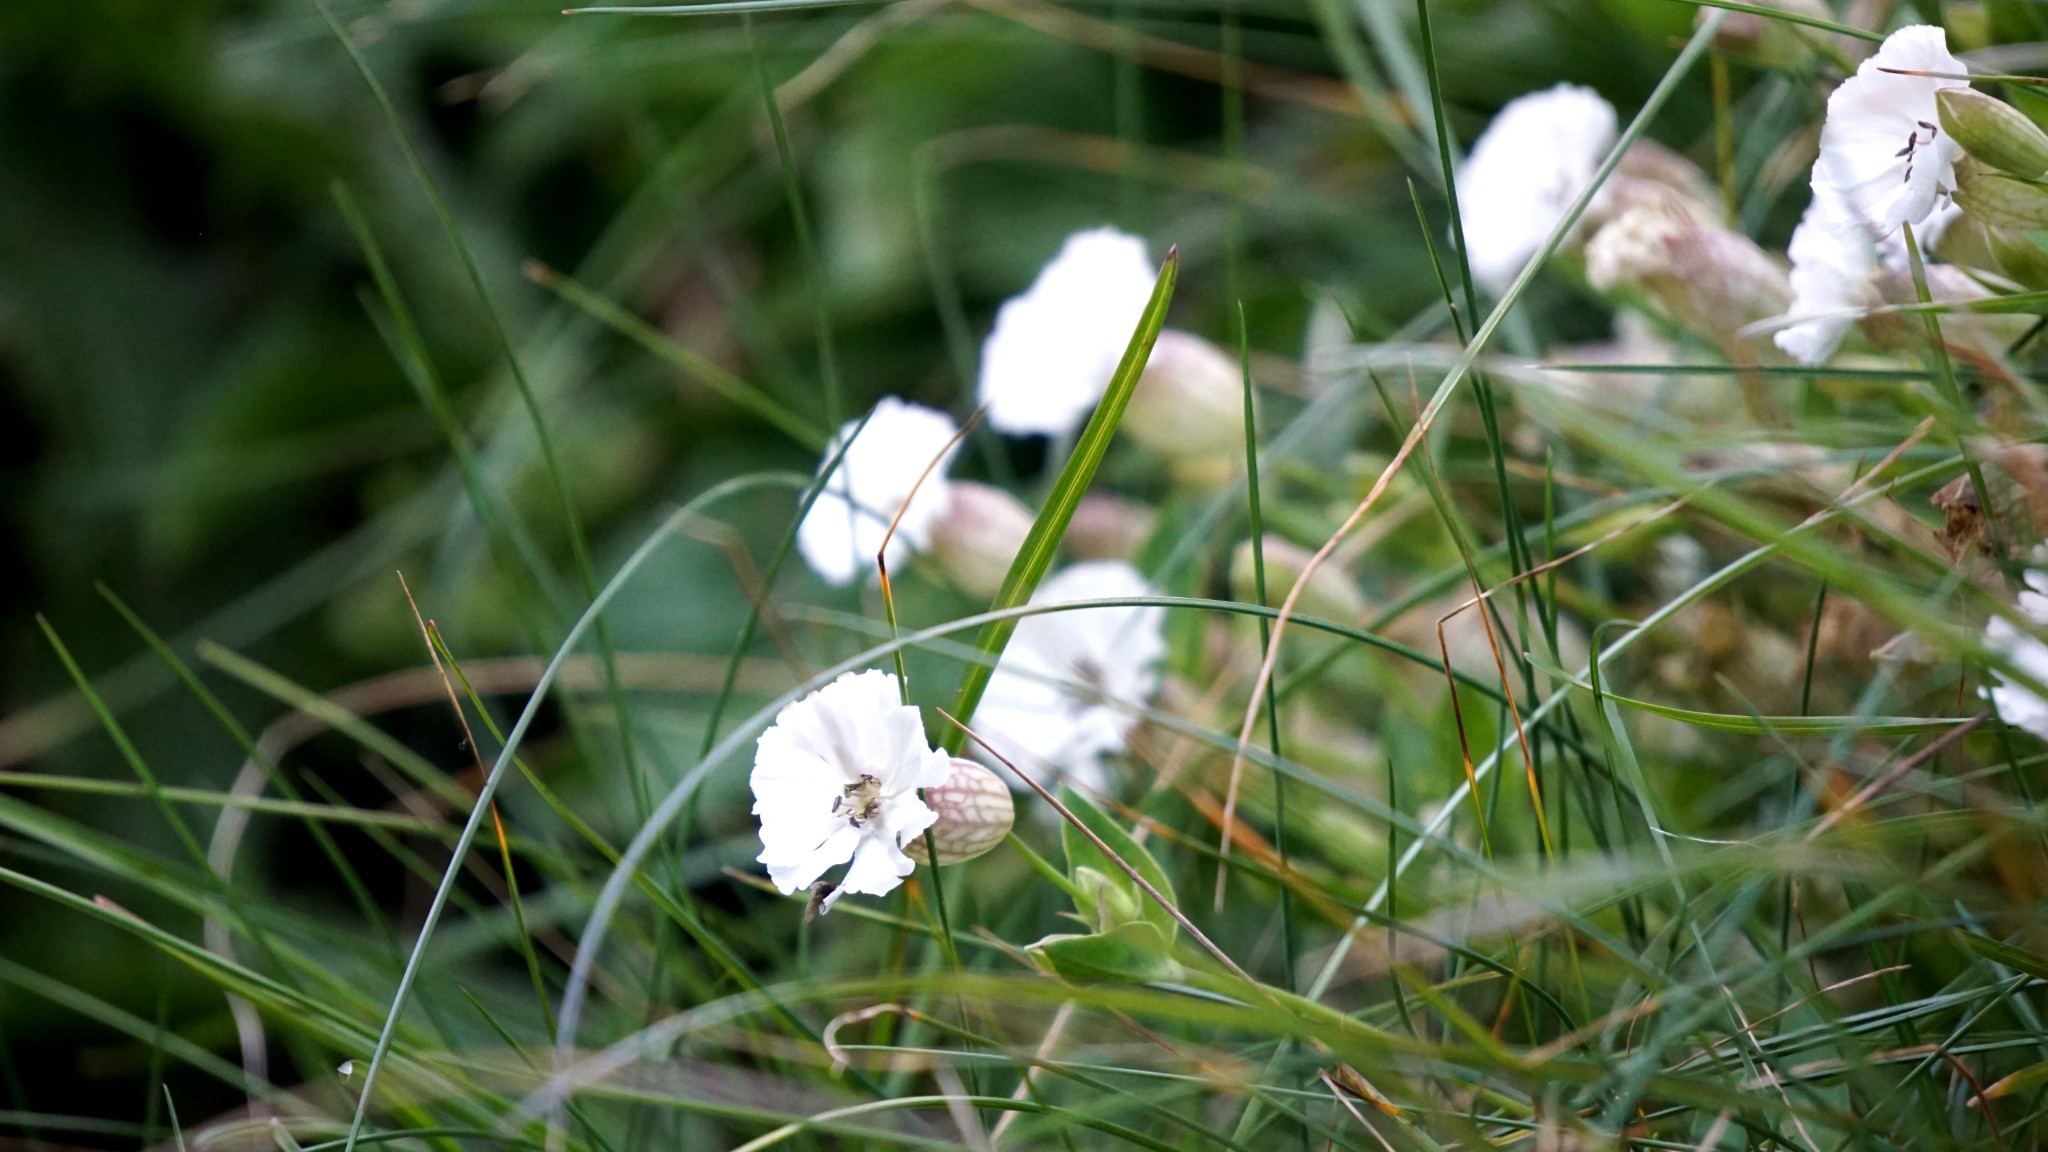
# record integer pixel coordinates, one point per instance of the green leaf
(1133, 953)
(1042, 543)
(1093, 872)
(1999, 952)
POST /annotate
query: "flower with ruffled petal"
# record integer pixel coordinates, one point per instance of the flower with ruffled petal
(1536, 157)
(847, 523)
(1054, 348)
(1065, 693)
(835, 782)
(1882, 149)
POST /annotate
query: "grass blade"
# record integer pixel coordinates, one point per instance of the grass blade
(1042, 543)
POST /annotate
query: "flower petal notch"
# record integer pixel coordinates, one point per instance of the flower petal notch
(1054, 348)
(836, 781)
(1536, 157)
(879, 474)
(1069, 682)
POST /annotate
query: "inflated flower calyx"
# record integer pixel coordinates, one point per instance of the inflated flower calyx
(1994, 132)
(1765, 40)
(1330, 594)
(978, 535)
(1709, 280)
(2018, 256)
(2001, 201)
(974, 812)
(1190, 400)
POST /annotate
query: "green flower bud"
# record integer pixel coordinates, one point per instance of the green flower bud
(2019, 256)
(1995, 132)
(1330, 594)
(2001, 201)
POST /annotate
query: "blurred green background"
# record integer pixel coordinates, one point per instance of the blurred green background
(202, 407)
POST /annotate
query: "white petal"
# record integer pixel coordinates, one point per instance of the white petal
(878, 867)
(850, 518)
(1064, 692)
(1833, 263)
(2018, 706)
(1878, 114)
(1537, 156)
(797, 871)
(810, 761)
(1054, 348)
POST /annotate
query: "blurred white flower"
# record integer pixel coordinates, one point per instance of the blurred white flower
(1064, 691)
(1054, 348)
(835, 782)
(1536, 157)
(1836, 260)
(1882, 148)
(2019, 706)
(1833, 263)
(1708, 279)
(847, 523)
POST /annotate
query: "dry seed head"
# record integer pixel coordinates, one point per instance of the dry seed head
(975, 813)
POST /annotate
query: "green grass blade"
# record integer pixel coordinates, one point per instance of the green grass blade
(480, 807)
(741, 393)
(1042, 543)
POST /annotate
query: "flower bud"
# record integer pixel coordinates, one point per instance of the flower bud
(1767, 41)
(1190, 401)
(975, 813)
(978, 534)
(1107, 527)
(1330, 593)
(2018, 257)
(2001, 201)
(1111, 902)
(1981, 333)
(1653, 176)
(1705, 278)
(1995, 132)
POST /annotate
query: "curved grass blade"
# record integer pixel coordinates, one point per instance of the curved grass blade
(480, 808)
(1748, 725)
(741, 393)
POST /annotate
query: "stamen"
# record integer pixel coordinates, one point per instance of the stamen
(859, 801)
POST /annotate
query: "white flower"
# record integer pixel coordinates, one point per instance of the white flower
(847, 523)
(835, 782)
(1836, 259)
(2018, 706)
(1054, 348)
(1882, 148)
(1064, 692)
(1536, 157)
